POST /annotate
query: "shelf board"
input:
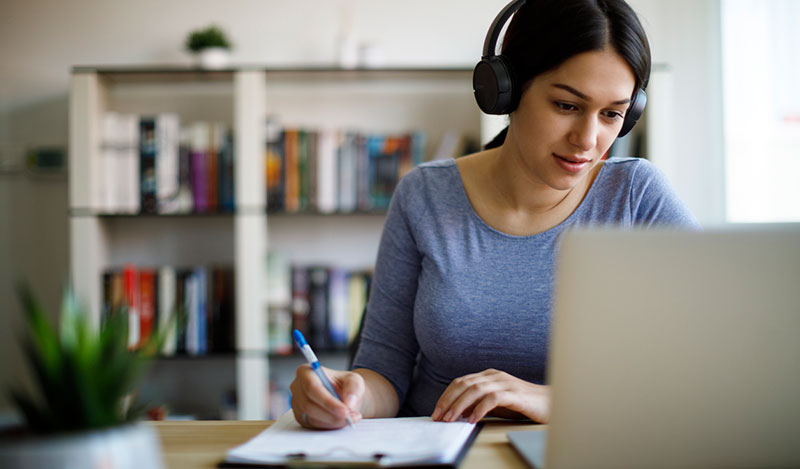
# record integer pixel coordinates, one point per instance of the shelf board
(183, 73)
(314, 213)
(77, 212)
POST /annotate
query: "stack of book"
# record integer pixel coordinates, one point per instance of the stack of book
(324, 303)
(193, 307)
(150, 164)
(330, 171)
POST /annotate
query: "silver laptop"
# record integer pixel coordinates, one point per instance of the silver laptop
(674, 349)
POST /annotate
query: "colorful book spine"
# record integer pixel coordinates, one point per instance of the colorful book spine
(292, 194)
(318, 313)
(148, 295)
(167, 311)
(337, 308)
(327, 173)
(227, 197)
(275, 168)
(147, 164)
(215, 144)
(303, 169)
(199, 165)
(300, 300)
(130, 278)
(167, 162)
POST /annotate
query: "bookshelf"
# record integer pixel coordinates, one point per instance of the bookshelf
(435, 101)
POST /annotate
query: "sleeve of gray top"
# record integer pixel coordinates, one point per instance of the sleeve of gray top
(655, 203)
(388, 343)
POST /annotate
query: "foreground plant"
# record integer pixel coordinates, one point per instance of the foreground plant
(83, 376)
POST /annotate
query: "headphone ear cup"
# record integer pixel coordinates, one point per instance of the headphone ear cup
(493, 84)
(635, 111)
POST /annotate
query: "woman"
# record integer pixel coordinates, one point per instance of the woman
(459, 312)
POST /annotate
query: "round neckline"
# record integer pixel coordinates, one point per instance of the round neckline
(548, 232)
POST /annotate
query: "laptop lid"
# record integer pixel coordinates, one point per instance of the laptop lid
(676, 349)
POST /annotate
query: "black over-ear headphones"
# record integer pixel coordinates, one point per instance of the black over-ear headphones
(495, 86)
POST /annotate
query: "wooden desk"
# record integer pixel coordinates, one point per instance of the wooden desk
(203, 444)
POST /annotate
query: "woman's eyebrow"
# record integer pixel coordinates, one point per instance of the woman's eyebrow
(584, 96)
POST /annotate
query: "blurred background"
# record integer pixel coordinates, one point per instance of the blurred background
(723, 118)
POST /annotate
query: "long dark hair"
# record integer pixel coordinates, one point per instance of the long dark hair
(543, 34)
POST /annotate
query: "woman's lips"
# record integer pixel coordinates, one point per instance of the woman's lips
(572, 164)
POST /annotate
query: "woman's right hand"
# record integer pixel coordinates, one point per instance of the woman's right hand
(315, 407)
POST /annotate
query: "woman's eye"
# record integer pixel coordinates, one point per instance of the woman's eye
(565, 106)
(614, 115)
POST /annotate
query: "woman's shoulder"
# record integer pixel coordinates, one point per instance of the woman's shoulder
(428, 183)
(627, 164)
(651, 197)
(636, 172)
(430, 174)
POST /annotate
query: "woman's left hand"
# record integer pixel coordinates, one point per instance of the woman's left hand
(476, 395)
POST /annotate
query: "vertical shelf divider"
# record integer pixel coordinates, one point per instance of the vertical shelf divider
(88, 253)
(250, 250)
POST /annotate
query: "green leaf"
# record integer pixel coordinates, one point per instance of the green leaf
(42, 333)
(82, 375)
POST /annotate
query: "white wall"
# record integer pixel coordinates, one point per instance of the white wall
(40, 40)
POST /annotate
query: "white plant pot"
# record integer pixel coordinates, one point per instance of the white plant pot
(134, 446)
(213, 58)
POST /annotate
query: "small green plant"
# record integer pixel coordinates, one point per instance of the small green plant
(212, 36)
(82, 376)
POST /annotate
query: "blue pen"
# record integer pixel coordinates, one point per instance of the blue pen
(312, 360)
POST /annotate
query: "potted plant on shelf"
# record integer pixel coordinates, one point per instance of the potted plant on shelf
(80, 413)
(210, 47)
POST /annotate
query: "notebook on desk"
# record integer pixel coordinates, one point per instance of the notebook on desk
(414, 441)
(674, 349)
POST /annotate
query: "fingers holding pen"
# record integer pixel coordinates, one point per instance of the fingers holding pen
(315, 407)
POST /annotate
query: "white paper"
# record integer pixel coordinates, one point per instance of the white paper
(399, 440)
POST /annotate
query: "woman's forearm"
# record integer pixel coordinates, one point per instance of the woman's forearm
(380, 398)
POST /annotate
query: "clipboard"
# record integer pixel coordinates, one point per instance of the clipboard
(415, 441)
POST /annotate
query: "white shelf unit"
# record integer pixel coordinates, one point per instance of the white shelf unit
(435, 101)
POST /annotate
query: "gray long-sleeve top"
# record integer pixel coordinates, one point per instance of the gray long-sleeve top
(453, 296)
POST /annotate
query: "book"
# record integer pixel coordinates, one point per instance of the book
(227, 194)
(318, 317)
(199, 163)
(183, 300)
(184, 202)
(215, 143)
(192, 313)
(147, 301)
(130, 285)
(356, 304)
(291, 199)
(303, 169)
(147, 164)
(348, 168)
(338, 317)
(129, 171)
(167, 162)
(167, 309)
(279, 297)
(275, 167)
(222, 314)
(300, 301)
(326, 171)
(371, 442)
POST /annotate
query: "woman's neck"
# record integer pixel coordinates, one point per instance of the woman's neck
(519, 190)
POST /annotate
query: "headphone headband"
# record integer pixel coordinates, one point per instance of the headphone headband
(496, 87)
(490, 43)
